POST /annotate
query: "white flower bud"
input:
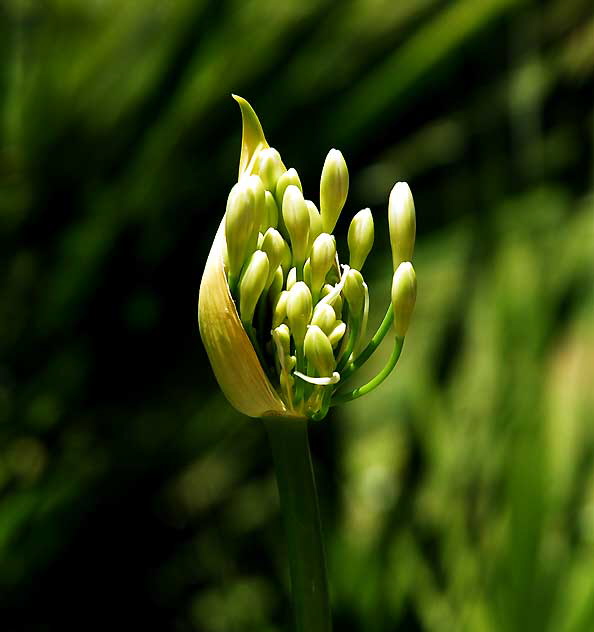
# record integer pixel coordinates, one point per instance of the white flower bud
(271, 209)
(291, 278)
(252, 284)
(335, 336)
(273, 246)
(287, 178)
(403, 223)
(282, 336)
(277, 284)
(269, 167)
(296, 218)
(318, 351)
(404, 296)
(241, 229)
(323, 254)
(287, 259)
(299, 308)
(279, 310)
(334, 187)
(324, 317)
(360, 238)
(354, 292)
(254, 183)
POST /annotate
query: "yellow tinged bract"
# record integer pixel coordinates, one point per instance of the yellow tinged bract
(231, 354)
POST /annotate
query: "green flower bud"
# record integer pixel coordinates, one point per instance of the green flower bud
(271, 209)
(282, 336)
(404, 296)
(322, 257)
(255, 184)
(315, 221)
(279, 310)
(277, 284)
(335, 336)
(403, 223)
(334, 187)
(360, 238)
(354, 292)
(287, 259)
(307, 273)
(241, 229)
(318, 351)
(252, 284)
(291, 278)
(336, 303)
(287, 178)
(296, 218)
(273, 246)
(299, 308)
(324, 317)
(269, 167)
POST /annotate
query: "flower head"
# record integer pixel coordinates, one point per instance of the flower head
(282, 321)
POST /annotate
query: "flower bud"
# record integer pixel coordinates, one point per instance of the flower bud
(273, 246)
(324, 317)
(291, 278)
(354, 292)
(282, 337)
(334, 187)
(271, 209)
(279, 310)
(252, 285)
(296, 218)
(277, 284)
(299, 308)
(307, 272)
(323, 254)
(404, 295)
(254, 183)
(403, 223)
(287, 259)
(315, 221)
(336, 302)
(287, 178)
(318, 351)
(360, 238)
(269, 167)
(241, 228)
(335, 336)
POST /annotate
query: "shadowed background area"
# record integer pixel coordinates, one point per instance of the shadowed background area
(460, 495)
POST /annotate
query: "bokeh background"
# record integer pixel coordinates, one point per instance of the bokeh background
(460, 495)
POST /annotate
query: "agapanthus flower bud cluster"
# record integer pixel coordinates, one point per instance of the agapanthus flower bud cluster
(303, 311)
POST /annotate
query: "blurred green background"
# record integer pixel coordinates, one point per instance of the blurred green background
(460, 495)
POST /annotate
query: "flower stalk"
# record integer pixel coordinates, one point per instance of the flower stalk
(301, 521)
(285, 324)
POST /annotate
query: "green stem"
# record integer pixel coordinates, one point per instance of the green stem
(374, 343)
(348, 350)
(376, 381)
(301, 517)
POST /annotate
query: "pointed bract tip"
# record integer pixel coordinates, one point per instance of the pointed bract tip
(253, 139)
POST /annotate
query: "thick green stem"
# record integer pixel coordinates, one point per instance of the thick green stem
(301, 517)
